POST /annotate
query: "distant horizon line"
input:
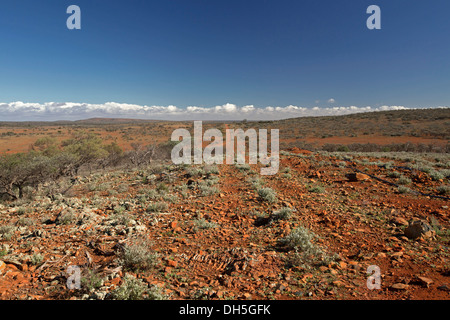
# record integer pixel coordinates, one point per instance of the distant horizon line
(118, 118)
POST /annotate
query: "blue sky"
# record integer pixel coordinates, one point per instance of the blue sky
(216, 54)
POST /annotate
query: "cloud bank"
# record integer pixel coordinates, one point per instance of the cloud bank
(51, 111)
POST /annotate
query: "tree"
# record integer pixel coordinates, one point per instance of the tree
(114, 156)
(86, 149)
(141, 154)
(24, 169)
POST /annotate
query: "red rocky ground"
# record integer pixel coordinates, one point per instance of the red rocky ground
(360, 223)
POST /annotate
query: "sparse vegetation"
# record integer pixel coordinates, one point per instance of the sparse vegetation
(130, 220)
(157, 206)
(316, 189)
(36, 259)
(267, 194)
(66, 218)
(403, 189)
(306, 252)
(404, 180)
(282, 214)
(7, 231)
(201, 224)
(136, 289)
(138, 256)
(91, 281)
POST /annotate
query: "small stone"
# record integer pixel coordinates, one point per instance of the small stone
(167, 269)
(247, 296)
(399, 221)
(400, 286)
(280, 287)
(338, 283)
(172, 263)
(397, 255)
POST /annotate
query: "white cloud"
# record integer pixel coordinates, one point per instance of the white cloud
(331, 100)
(19, 110)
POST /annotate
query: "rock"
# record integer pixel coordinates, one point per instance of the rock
(339, 283)
(396, 255)
(2, 265)
(444, 288)
(172, 263)
(416, 229)
(247, 296)
(356, 176)
(140, 228)
(13, 261)
(399, 286)
(323, 268)
(399, 221)
(220, 294)
(425, 281)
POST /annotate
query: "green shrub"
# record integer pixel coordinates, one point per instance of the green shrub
(7, 231)
(305, 251)
(162, 188)
(91, 281)
(157, 207)
(36, 259)
(282, 214)
(152, 194)
(443, 190)
(194, 171)
(317, 189)
(135, 289)
(404, 180)
(203, 224)
(207, 190)
(256, 182)
(138, 256)
(211, 169)
(243, 167)
(172, 198)
(299, 238)
(436, 175)
(267, 194)
(66, 218)
(121, 188)
(26, 221)
(287, 176)
(394, 174)
(130, 289)
(286, 170)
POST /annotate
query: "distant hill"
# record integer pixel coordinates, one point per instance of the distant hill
(431, 123)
